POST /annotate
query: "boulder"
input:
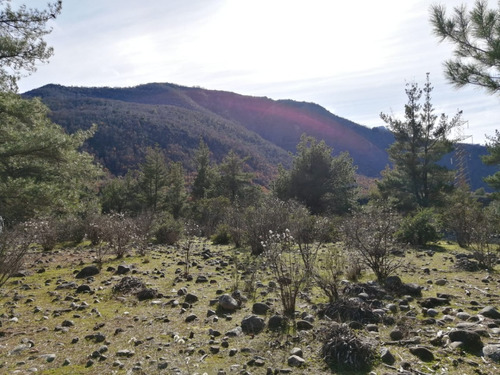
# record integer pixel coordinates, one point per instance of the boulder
(387, 357)
(422, 353)
(260, 308)
(228, 303)
(87, 272)
(471, 340)
(252, 324)
(490, 312)
(492, 352)
(122, 269)
(276, 323)
(295, 361)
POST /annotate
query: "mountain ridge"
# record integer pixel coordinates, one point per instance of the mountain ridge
(176, 117)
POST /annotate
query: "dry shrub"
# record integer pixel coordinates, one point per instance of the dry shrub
(344, 350)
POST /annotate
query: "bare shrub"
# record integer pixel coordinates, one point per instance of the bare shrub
(287, 266)
(328, 269)
(484, 246)
(14, 245)
(370, 235)
(47, 234)
(191, 233)
(344, 350)
(119, 231)
(144, 227)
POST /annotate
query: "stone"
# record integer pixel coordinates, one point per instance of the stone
(49, 357)
(432, 302)
(441, 282)
(304, 325)
(470, 339)
(191, 318)
(462, 315)
(295, 361)
(228, 303)
(68, 323)
(87, 272)
(201, 279)
(490, 312)
(260, 308)
(492, 352)
(372, 328)
(387, 357)
(125, 353)
(252, 324)
(297, 351)
(146, 294)
(83, 288)
(396, 335)
(422, 353)
(191, 298)
(276, 322)
(432, 312)
(122, 269)
(237, 331)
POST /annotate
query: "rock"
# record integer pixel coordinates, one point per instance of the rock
(182, 291)
(471, 340)
(422, 353)
(162, 365)
(122, 269)
(252, 324)
(432, 312)
(492, 352)
(191, 298)
(387, 357)
(295, 361)
(191, 318)
(49, 357)
(68, 323)
(462, 315)
(125, 353)
(396, 335)
(201, 279)
(69, 285)
(228, 303)
(260, 308)
(87, 272)
(304, 325)
(490, 312)
(146, 293)
(372, 328)
(432, 302)
(276, 322)
(237, 331)
(83, 288)
(297, 351)
(441, 282)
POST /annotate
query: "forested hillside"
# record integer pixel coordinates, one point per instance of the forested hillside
(176, 117)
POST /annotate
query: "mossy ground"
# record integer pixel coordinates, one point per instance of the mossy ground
(156, 330)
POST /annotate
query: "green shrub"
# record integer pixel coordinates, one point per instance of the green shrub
(419, 229)
(167, 230)
(222, 235)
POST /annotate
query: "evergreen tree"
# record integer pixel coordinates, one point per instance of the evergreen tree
(475, 35)
(153, 180)
(232, 182)
(175, 198)
(416, 179)
(323, 183)
(21, 41)
(493, 158)
(204, 172)
(41, 169)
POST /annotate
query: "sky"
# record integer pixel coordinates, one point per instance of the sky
(353, 58)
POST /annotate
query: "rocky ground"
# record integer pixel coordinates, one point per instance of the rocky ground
(152, 315)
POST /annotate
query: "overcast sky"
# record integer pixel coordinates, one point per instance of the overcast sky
(351, 57)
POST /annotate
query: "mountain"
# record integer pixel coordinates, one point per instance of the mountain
(176, 117)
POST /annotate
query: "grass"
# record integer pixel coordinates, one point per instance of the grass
(156, 330)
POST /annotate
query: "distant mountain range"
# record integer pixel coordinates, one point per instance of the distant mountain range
(175, 118)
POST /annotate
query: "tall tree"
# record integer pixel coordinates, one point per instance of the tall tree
(153, 180)
(21, 41)
(320, 181)
(475, 35)
(232, 181)
(204, 172)
(176, 191)
(416, 179)
(41, 169)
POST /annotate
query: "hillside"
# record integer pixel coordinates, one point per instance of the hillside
(176, 117)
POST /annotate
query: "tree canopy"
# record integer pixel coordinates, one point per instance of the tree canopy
(416, 179)
(322, 182)
(41, 168)
(21, 41)
(475, 35)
